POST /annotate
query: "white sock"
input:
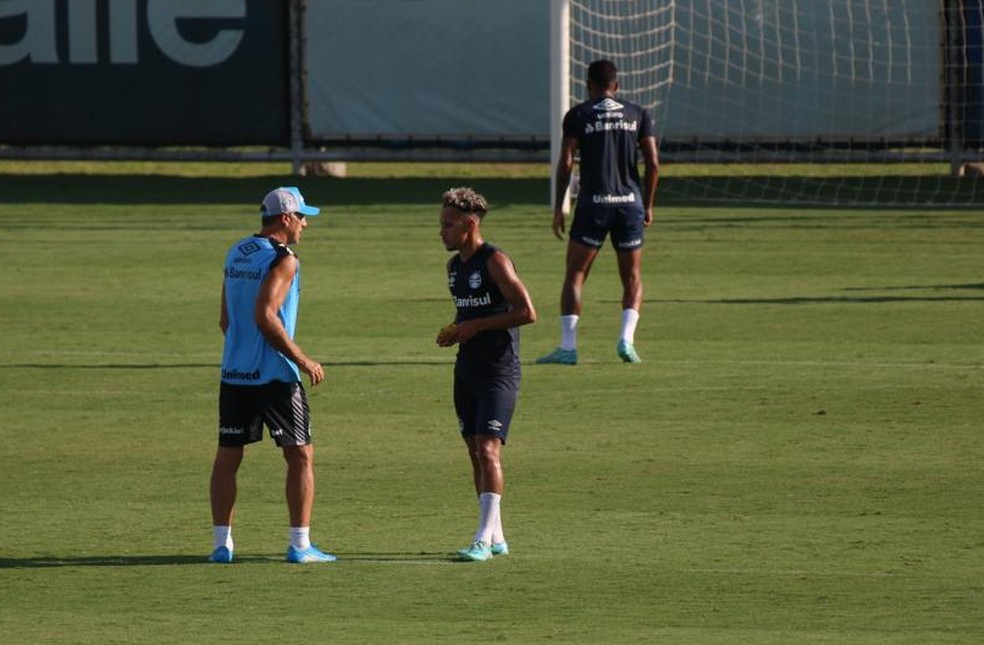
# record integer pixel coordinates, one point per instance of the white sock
(300, 537)
(629, 319)
(568, 331)
(222, 536)
(488, 508)
(498, 537)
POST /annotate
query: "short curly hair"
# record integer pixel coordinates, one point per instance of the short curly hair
(602, 74)
(466, 200)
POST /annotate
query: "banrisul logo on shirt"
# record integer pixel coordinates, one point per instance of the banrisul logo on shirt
(232, 273)
(474, 281)
(610, 117)
(472, 301)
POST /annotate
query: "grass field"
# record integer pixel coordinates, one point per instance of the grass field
(799, 458)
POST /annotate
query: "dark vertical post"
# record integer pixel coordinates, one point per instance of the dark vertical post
(954, 66)
(295, 21)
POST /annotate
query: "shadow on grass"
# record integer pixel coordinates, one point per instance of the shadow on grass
(109, 366)
(214, 366)
(100, 561)
(328, 191)
(53, 561)
(978, 285)
(400, 558)
(805, 300)
(814, 301)
(876, 192)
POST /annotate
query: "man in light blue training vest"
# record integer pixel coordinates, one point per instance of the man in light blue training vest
(261, 371)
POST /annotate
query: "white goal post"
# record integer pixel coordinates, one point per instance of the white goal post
(769, 83)
(560, 88)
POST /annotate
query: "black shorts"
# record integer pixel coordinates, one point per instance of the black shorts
(283, 407)
(485, 404)
(593, 223)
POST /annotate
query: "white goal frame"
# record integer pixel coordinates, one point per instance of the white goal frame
(949, 147)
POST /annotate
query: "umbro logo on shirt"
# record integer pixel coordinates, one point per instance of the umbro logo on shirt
(608, 105)
(249, 248)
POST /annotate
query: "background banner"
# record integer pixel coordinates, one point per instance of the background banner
(144, 72)
(432, 69)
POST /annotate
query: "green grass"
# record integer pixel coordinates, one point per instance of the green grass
(798, 459)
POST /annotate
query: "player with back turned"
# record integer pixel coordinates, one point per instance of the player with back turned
(491, 303)
(608, 132)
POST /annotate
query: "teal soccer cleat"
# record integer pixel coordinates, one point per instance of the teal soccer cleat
(222, 555)
(499, 549)
(559, 357)
(627, 352)
(308, 555)
(477, 552)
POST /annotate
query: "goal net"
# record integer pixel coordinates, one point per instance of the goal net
(798, 101)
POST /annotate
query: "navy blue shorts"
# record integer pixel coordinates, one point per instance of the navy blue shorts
(244, 409)
(593, 223)
(485, 403)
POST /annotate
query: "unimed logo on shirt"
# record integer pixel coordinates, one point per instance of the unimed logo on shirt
(237, 375)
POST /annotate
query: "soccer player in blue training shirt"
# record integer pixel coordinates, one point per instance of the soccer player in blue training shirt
(491, 303)
(608, 132)
(261, 366)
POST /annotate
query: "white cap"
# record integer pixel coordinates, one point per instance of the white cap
(286, 199)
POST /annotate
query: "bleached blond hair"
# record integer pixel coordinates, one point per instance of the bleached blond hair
(465, 200)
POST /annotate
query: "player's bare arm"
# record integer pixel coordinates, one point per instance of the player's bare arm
(650, 157)
(501, 271)
(446, 335)
(272, 294)
(565, 166)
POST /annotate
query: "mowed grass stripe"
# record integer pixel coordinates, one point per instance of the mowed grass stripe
(797, 459)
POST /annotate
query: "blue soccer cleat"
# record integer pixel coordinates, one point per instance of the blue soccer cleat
(559, 356)
(499, 549)
(477, 552)
(308, 555)
(222, 555)
(627, 352)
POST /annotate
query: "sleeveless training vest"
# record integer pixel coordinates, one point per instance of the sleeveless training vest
(476, 295)
(247, 357)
